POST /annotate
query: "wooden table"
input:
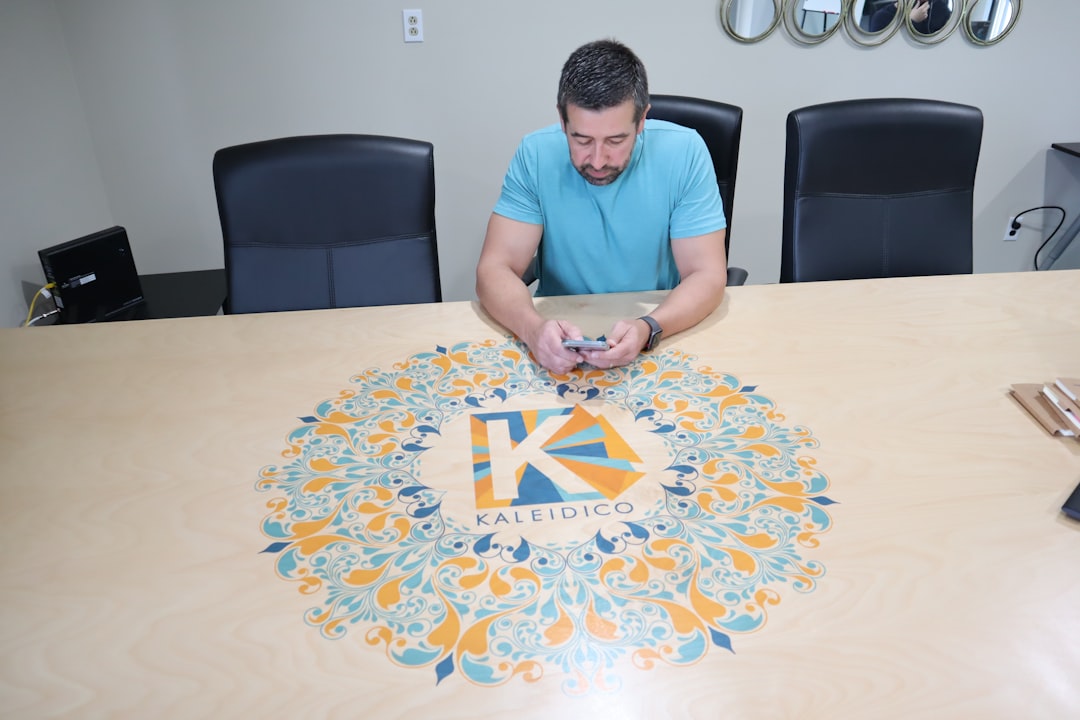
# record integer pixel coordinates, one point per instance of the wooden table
(133, 582)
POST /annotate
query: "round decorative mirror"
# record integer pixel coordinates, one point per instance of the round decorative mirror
(988, 21)
(750, 20)
(872, 22)
(931, 21)
(813, 21)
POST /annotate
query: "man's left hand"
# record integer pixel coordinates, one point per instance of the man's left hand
(625, 341)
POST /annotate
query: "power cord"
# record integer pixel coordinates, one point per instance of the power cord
(1016, 226)
(44, 291)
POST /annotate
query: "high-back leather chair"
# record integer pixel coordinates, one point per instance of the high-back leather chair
(326, 221)
(879, 188)
(720, 126)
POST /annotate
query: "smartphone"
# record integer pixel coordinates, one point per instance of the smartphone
(1072, 505)
(585, 344)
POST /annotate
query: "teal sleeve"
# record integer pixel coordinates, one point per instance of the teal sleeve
(698, 209)
(519, 198)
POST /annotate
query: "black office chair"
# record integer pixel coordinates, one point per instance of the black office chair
(879, 188)
(327, 221)
(720, 126)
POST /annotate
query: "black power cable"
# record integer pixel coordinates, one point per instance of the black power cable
(1016, 226)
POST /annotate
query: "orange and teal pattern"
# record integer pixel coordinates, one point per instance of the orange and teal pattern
(353, 524)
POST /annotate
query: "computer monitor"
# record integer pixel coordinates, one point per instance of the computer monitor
(95, 276)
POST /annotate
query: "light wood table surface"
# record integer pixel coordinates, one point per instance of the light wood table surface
(132, 583)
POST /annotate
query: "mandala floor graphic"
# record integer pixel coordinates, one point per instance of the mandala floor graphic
(472, 514)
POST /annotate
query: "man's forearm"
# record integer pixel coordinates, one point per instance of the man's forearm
(507, 299)
(690, 302)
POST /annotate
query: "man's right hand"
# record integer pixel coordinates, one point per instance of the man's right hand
(545, 343)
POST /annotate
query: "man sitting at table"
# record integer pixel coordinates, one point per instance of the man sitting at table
(632, 206)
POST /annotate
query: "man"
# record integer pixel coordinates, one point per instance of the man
(926, 17)
(622, 204)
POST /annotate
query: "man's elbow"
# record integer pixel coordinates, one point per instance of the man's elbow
(720, 288)
(712, 281)
(483, 273)
(491, 275)
(711, 284)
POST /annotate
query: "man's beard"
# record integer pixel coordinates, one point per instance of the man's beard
(610, 174)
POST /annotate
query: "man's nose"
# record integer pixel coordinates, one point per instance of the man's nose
(597, 157)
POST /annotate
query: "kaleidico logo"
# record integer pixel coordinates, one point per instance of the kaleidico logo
(540, 457)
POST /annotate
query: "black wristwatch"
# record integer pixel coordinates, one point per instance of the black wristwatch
(655, 332)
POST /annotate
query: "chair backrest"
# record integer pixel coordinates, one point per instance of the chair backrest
(720, 125)
(326, 221)
(879, 188)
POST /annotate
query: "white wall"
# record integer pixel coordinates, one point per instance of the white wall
(50, 186)
(165, 83)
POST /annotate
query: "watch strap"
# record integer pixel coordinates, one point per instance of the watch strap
(655, 332)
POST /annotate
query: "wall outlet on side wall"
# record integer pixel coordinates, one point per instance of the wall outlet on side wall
(1012, 227)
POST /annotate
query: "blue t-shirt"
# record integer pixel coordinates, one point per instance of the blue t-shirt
(617, 237)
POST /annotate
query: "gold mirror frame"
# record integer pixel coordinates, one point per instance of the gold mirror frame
(1017, 6)
(785, 10)
(726, 8)
(950, 26)
(867, 38)
(799, 35)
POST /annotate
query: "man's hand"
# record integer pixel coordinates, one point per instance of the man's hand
(920, 11)
(545, 343)
(625, 341)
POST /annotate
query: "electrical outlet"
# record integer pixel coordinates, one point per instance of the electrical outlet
(1010, 231)
(412, 23)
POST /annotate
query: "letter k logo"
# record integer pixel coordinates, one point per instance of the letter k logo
(548, 456)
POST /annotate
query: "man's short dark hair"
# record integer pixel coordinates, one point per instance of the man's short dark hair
(601, 75)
